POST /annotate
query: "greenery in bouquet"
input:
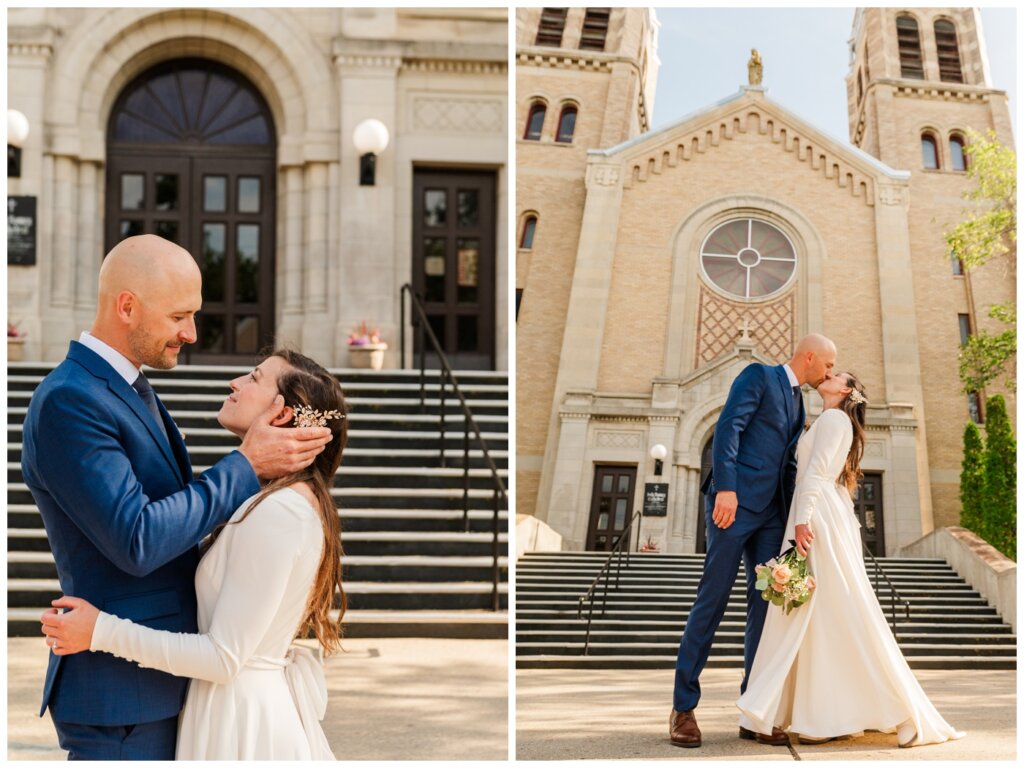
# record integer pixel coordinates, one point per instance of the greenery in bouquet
(785, 581)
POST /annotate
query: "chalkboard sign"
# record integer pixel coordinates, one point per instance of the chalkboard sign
(655, 499)
(21, 230)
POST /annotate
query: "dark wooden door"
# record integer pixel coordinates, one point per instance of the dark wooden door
(454, 262)
(611, 505)
(867, 503)
(191, 158)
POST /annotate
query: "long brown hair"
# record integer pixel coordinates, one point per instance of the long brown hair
(857, 412)
(309, 383)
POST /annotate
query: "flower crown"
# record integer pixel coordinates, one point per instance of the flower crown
(857, 397)
(305, 416)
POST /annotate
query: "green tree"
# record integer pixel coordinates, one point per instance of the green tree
(989, 233)
(972, 480)
(1000, 504)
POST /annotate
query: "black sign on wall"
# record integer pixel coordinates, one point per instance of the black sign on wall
(21, 230)
(655, 499)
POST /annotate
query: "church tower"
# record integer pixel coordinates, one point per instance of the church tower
(918, 80)
(584, 80)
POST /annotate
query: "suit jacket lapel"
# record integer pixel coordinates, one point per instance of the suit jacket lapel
(99, 367)
(787, 391)
(177, 445)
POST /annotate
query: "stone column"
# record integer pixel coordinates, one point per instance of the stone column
(58, 319)
(564, 513)
(290, 270)
(899, 334)
(588, 301)
(370, 265)
(318, 319)
(87, 259)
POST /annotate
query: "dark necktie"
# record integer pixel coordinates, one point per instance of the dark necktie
(145, 390)
(796, 402)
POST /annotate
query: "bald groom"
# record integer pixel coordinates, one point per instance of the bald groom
(109, 472)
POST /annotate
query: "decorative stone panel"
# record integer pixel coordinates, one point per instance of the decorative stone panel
(624, 440)
(452, 114)
(721, 323)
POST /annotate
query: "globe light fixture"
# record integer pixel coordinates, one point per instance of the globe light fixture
(658, 453)
(370, 138)
(17, 132)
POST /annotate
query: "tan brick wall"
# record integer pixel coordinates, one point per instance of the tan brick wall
(550, 182)
(749, 164)
(894, 126)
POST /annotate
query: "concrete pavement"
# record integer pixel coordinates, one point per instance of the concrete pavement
(569, 714)
(388, 699)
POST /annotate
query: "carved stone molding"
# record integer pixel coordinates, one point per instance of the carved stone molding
(449, 66)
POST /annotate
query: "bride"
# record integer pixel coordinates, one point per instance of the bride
(267, 575)
(832, 667)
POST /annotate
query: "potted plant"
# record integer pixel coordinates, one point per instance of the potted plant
(365, 349)
(15, 343)
(649, 546)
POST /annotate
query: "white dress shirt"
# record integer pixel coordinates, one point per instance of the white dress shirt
(792, 376)
(117, 361)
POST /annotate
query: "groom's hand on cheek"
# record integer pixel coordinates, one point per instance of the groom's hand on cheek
(278, 451)
(725, 508)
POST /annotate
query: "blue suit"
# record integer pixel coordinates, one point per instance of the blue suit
(754, 454)
(124, 518)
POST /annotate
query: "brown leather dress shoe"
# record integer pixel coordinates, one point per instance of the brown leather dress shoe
(683, 730)
(778, 737)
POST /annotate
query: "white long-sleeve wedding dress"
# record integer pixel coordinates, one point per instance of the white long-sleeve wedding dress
(253, 695)
(832, 667)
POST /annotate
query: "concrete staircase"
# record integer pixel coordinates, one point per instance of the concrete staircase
(410, 568)
(950, 625)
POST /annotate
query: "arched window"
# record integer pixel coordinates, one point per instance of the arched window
(748, 258)
(957, 158)
(948, 51)
(529, 228)
(595, 29)
(860, 87)
(552, 25)
(929, 151)
(911, 63)
(535, 122)
(566, 124)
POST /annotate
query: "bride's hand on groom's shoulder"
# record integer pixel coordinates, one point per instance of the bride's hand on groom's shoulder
(69, 632)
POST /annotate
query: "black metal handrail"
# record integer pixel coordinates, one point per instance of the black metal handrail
(605, 571)
(893, 594)
(426, 333)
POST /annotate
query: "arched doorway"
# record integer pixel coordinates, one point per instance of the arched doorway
(705, 470)
(191, 153)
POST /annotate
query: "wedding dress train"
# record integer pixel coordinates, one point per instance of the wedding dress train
(832, 667)
(254, 695)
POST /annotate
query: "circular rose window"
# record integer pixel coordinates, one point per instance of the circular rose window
(748, 258)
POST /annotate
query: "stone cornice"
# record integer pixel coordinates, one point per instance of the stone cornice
(29, 50)
(591, 61)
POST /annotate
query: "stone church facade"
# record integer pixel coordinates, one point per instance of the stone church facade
(231, 131)
(653, 266)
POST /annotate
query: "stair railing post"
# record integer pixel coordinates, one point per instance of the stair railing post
(495, 554)
(465, 476)
(442, 387)
(423, 366)
(401, 327)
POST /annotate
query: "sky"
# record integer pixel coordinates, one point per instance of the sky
(805, 51)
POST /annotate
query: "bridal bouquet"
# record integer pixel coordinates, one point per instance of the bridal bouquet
(784, 580)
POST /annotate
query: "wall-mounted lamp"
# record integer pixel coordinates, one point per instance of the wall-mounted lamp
(371, 138)
(658, 453)
(17, 132)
